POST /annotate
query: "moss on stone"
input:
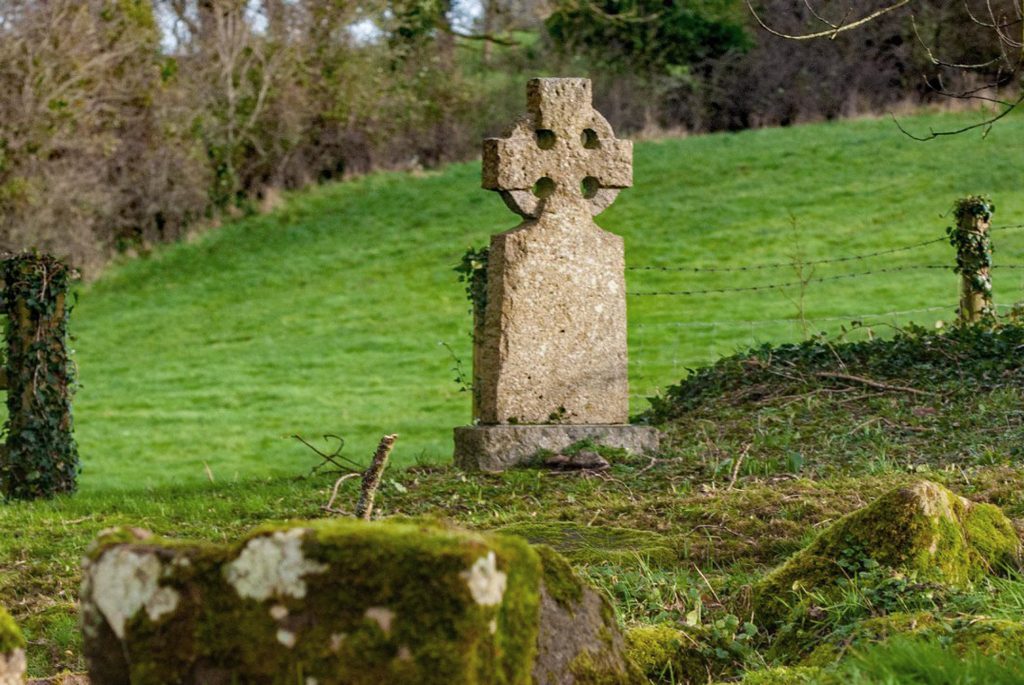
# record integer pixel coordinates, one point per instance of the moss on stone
(966, 634)
(833, 648)
(660, 652)
(560, 580)
(394, 603)
(11, 637)
(665, 654)
(922, 530)
(586, 670)
(785, 675)
(595, 544)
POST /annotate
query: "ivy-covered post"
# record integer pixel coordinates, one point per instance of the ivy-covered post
(40, 457)
(973, 245)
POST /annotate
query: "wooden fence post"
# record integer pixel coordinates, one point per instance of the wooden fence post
(973, 245)
(40, 457)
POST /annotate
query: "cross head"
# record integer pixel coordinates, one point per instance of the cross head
(562, 156)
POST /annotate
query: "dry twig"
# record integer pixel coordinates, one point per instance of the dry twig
(870, 383)
(329, 507)
(371, 478)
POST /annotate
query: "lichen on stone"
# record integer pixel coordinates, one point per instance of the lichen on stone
(125, 581)
(286, 638)
(486, 583)
(381, 616)
(272, 566)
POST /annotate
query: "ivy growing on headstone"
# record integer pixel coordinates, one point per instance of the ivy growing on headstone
(472, 271)
(40, 456)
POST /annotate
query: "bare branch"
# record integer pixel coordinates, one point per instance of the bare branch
(952, 65)
(986, 124)
(832, 32)
(488, 37)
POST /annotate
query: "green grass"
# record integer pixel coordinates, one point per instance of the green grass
(327, 315)
(675, 540)
(201, 359)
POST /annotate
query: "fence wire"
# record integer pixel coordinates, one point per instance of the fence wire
(747, 323)
(647, 336)
(790, 264)
(789, 284)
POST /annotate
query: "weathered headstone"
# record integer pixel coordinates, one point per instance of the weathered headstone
(550, 352)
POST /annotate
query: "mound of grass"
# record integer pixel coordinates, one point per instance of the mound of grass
(915, 360)
(923, 396)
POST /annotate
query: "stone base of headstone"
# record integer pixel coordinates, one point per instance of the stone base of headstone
(499, 447)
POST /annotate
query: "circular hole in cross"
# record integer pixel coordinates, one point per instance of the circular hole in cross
(589, 139)
(546, 139)
(544, 187)
(589, 187)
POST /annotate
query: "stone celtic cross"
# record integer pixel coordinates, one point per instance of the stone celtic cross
(549, 356)
(562, 156)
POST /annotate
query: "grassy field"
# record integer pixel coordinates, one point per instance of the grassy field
(327, 315)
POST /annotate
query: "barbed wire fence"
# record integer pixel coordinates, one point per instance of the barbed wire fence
(662, 334)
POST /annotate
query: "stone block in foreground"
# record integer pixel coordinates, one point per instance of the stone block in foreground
(12, 651)
(496, 448)
(343, 602)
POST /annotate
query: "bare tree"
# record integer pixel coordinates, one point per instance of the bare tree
(986, 77)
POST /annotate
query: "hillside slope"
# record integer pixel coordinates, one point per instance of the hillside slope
(327, 316)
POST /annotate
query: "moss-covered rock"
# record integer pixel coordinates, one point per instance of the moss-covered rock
(922, 530)
(328, 602)
(578, 639)
(963, 634)
(670, 656)
(785, 675)
(12, 651)
(595, 544)
(667, 655)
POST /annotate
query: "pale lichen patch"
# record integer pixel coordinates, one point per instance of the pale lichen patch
(12, 667)
(278, 612)
(123, 582)
(272, 565)
(486, 583)
(163, 602)
(286, 638)
(382, 616)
